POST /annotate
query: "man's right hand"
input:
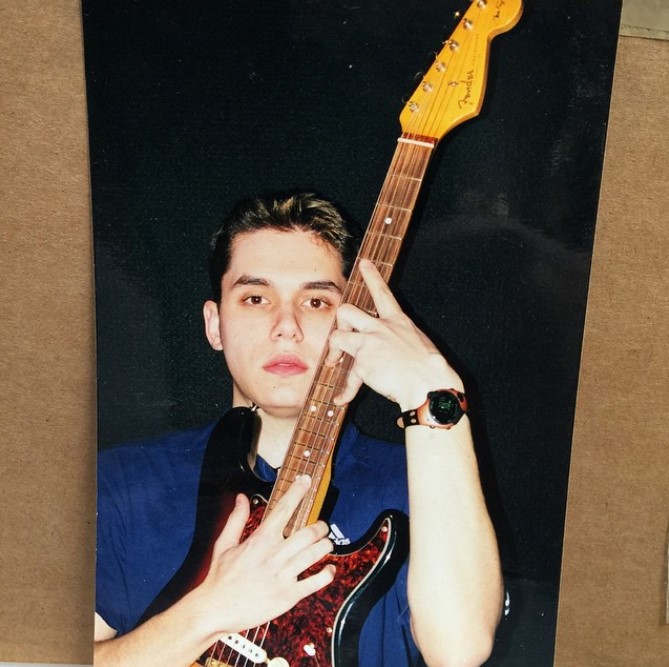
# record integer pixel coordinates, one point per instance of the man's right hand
(248, 584)
(251, 582)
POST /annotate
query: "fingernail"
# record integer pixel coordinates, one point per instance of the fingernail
(303, 478)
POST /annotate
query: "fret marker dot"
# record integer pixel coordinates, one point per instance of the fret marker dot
(330, 413)
(313, 408)
(388, 221)
(307, 453)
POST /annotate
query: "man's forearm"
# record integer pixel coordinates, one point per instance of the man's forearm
(175, 638)
(455, 586)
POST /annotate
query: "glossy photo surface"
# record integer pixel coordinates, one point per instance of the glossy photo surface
(193, 106)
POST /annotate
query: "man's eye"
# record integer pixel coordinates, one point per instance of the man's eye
(254, 299)
(317, 303)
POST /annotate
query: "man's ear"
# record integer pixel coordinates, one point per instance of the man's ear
(211, 324)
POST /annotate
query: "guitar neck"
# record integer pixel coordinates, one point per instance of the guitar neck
(320, 421)
(450, 93)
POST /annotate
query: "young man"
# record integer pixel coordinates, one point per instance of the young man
(278, 272)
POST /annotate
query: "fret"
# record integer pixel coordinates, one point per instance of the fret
(383, 236)
(308, 450)
(381, 241)
(316, 421)
(307, 453)
(301, 468)
(392, 208)
(385, 248)
(317, 432)
(323, 394)
(391, 205)
(409, 177)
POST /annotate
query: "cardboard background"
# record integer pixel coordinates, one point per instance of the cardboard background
(613, 591)
(615, 558)
(47, 406)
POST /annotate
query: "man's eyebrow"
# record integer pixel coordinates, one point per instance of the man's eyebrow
(250, 280)
(322, 285)
(328, 285)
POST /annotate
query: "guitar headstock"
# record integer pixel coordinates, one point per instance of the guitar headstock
(452, 89)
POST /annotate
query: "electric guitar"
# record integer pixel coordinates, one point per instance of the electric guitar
(323, 630)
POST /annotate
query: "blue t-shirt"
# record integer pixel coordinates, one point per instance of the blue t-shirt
(147, 495)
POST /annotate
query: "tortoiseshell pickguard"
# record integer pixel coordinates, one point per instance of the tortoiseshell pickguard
(322, 630)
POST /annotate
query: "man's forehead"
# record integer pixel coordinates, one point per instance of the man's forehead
(278, 233)
(296, 243)
(269, 255)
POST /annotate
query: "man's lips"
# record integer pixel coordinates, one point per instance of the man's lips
(285, 364)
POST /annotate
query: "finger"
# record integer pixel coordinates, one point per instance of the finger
(303, 539)
(352, 318)
(234, 527)
(350, 390)
(349, 318)
(308, 556)
(309, 585)
(334, 354)
(286, 505)
(345, 341)
(385, 302)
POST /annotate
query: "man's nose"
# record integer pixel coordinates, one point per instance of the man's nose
(286, 324)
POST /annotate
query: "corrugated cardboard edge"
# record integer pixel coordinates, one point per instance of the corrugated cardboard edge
(613, 590)
(47, 402)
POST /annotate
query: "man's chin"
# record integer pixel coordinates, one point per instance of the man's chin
(281, 411)
(286, 405)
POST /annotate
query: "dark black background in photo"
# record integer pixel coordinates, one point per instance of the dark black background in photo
(194, 105)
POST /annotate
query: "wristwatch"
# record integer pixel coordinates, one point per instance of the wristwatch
(443, 408)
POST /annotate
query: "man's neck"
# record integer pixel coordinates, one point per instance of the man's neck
(274, 438)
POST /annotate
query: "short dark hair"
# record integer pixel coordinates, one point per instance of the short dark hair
(302, 211)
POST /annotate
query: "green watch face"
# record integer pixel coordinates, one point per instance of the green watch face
(445, 407)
